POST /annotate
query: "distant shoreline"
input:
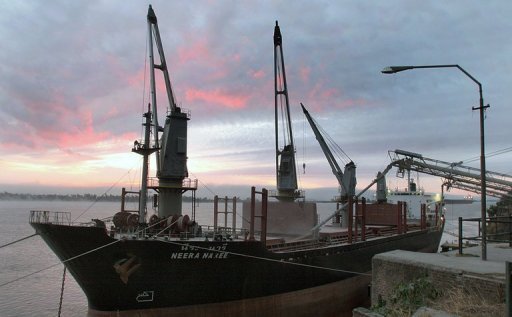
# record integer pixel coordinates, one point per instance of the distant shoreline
(6, 196)
(79, 197)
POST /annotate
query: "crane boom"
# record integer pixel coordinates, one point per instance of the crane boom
(347, 179)
(286, 171)
(380, 176)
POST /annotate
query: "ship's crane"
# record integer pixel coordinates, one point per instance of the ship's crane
(169, 142)
(286, 171)
(346, 179)
(455, 174)
(380, 180)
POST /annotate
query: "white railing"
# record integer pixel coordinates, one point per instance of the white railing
(53, 217)
(187, 183)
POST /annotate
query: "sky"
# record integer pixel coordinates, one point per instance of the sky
(73, 87)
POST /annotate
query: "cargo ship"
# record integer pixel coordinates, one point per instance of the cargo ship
(279, 261)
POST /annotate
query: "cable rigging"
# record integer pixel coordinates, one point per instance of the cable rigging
(104, 193)
(181, 244)
(491, 154)
(19, 240)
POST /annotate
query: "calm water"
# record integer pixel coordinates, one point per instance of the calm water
(39, 294)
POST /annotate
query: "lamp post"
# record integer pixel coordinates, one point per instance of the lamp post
(481, 107)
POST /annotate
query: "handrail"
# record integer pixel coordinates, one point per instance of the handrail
(490, 220)
(187, 183)
(51, 217)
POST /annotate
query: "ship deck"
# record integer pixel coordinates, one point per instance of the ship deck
(329, 235)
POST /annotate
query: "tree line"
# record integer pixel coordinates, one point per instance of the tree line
(81, 197)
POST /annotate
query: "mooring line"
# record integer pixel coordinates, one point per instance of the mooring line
(267, 259)
(8, 244)
(181, 244)
(71, 258)
(62, 291)
(104, 193)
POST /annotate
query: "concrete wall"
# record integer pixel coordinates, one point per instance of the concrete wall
(395, 267)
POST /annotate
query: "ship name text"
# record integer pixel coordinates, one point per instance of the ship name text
(189, 252)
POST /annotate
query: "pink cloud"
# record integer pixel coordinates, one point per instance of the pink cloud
(322, 93)
(217, 97)
(52, 121)
(198, 50)
(326, 97)
(136, 79)
(81, 134)
(257, 74)
(304, 73)
(212, 64)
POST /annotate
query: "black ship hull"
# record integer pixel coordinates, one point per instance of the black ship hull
(137, 275)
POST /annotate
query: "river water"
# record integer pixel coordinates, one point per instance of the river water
(39, 293)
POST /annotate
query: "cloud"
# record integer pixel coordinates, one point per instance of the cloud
(218, 97)
(73, 78)
(258, 74)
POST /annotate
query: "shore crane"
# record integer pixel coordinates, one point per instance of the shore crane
(454, 174)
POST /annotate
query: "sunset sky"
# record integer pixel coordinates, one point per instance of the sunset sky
(72, 88)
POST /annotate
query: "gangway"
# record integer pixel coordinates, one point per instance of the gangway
(454, 174)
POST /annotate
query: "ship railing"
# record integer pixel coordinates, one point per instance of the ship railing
(297, 194)
(285, 246)
(187, 183)
(187, 112)
(139, 145)
(50, 217)
(207, 232)
(224, 233)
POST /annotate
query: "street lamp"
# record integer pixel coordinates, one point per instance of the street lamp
(481, 107)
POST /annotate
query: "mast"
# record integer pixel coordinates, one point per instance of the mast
(286, 173)
(145, 149)
(151, 22)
